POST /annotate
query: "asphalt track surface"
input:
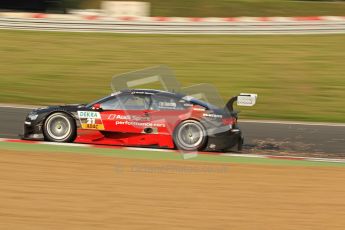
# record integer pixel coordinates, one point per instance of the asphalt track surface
(318, 139)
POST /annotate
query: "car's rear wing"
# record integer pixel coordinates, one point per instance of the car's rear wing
(244, 99)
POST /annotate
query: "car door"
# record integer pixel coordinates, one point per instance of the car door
(127, 113)
(168, 110)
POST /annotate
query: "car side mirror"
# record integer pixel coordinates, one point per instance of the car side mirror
(97, 107)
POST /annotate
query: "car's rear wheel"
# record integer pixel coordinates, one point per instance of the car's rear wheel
(59, 127)
(190, 135)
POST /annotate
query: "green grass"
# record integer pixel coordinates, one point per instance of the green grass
(297, 77)
(228, 8)
(154, 155)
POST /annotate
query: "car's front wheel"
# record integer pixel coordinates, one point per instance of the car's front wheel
(59, 127)
(190, 135)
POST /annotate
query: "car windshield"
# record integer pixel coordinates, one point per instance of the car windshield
(98, 101)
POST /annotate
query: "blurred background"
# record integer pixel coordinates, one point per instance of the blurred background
(297, 77)
(196, 8)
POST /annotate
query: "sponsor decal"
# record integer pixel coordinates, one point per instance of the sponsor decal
(144, 124)
(165, 104)
(127, 117)
(134, 120)
(118, 117)
(141, 92)
(90, 120)
(212, 115)
(89, 114)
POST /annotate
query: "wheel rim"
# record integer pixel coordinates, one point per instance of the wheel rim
(58, 127)
(190, 135)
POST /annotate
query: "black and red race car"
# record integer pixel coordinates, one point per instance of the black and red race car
(142, 117)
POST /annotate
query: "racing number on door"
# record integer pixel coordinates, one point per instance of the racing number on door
(90, 120)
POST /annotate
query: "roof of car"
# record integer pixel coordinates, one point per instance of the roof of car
(152, 91)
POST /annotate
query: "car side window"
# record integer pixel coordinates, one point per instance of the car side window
(113, 103)
(127, 102)
(162, 102)
(136, 102)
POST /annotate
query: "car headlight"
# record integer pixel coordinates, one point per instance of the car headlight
(33, 116)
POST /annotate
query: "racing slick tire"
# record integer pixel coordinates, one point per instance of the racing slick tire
(59, 127)
(190, 135)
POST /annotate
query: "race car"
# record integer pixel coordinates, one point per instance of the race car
(142, 117)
